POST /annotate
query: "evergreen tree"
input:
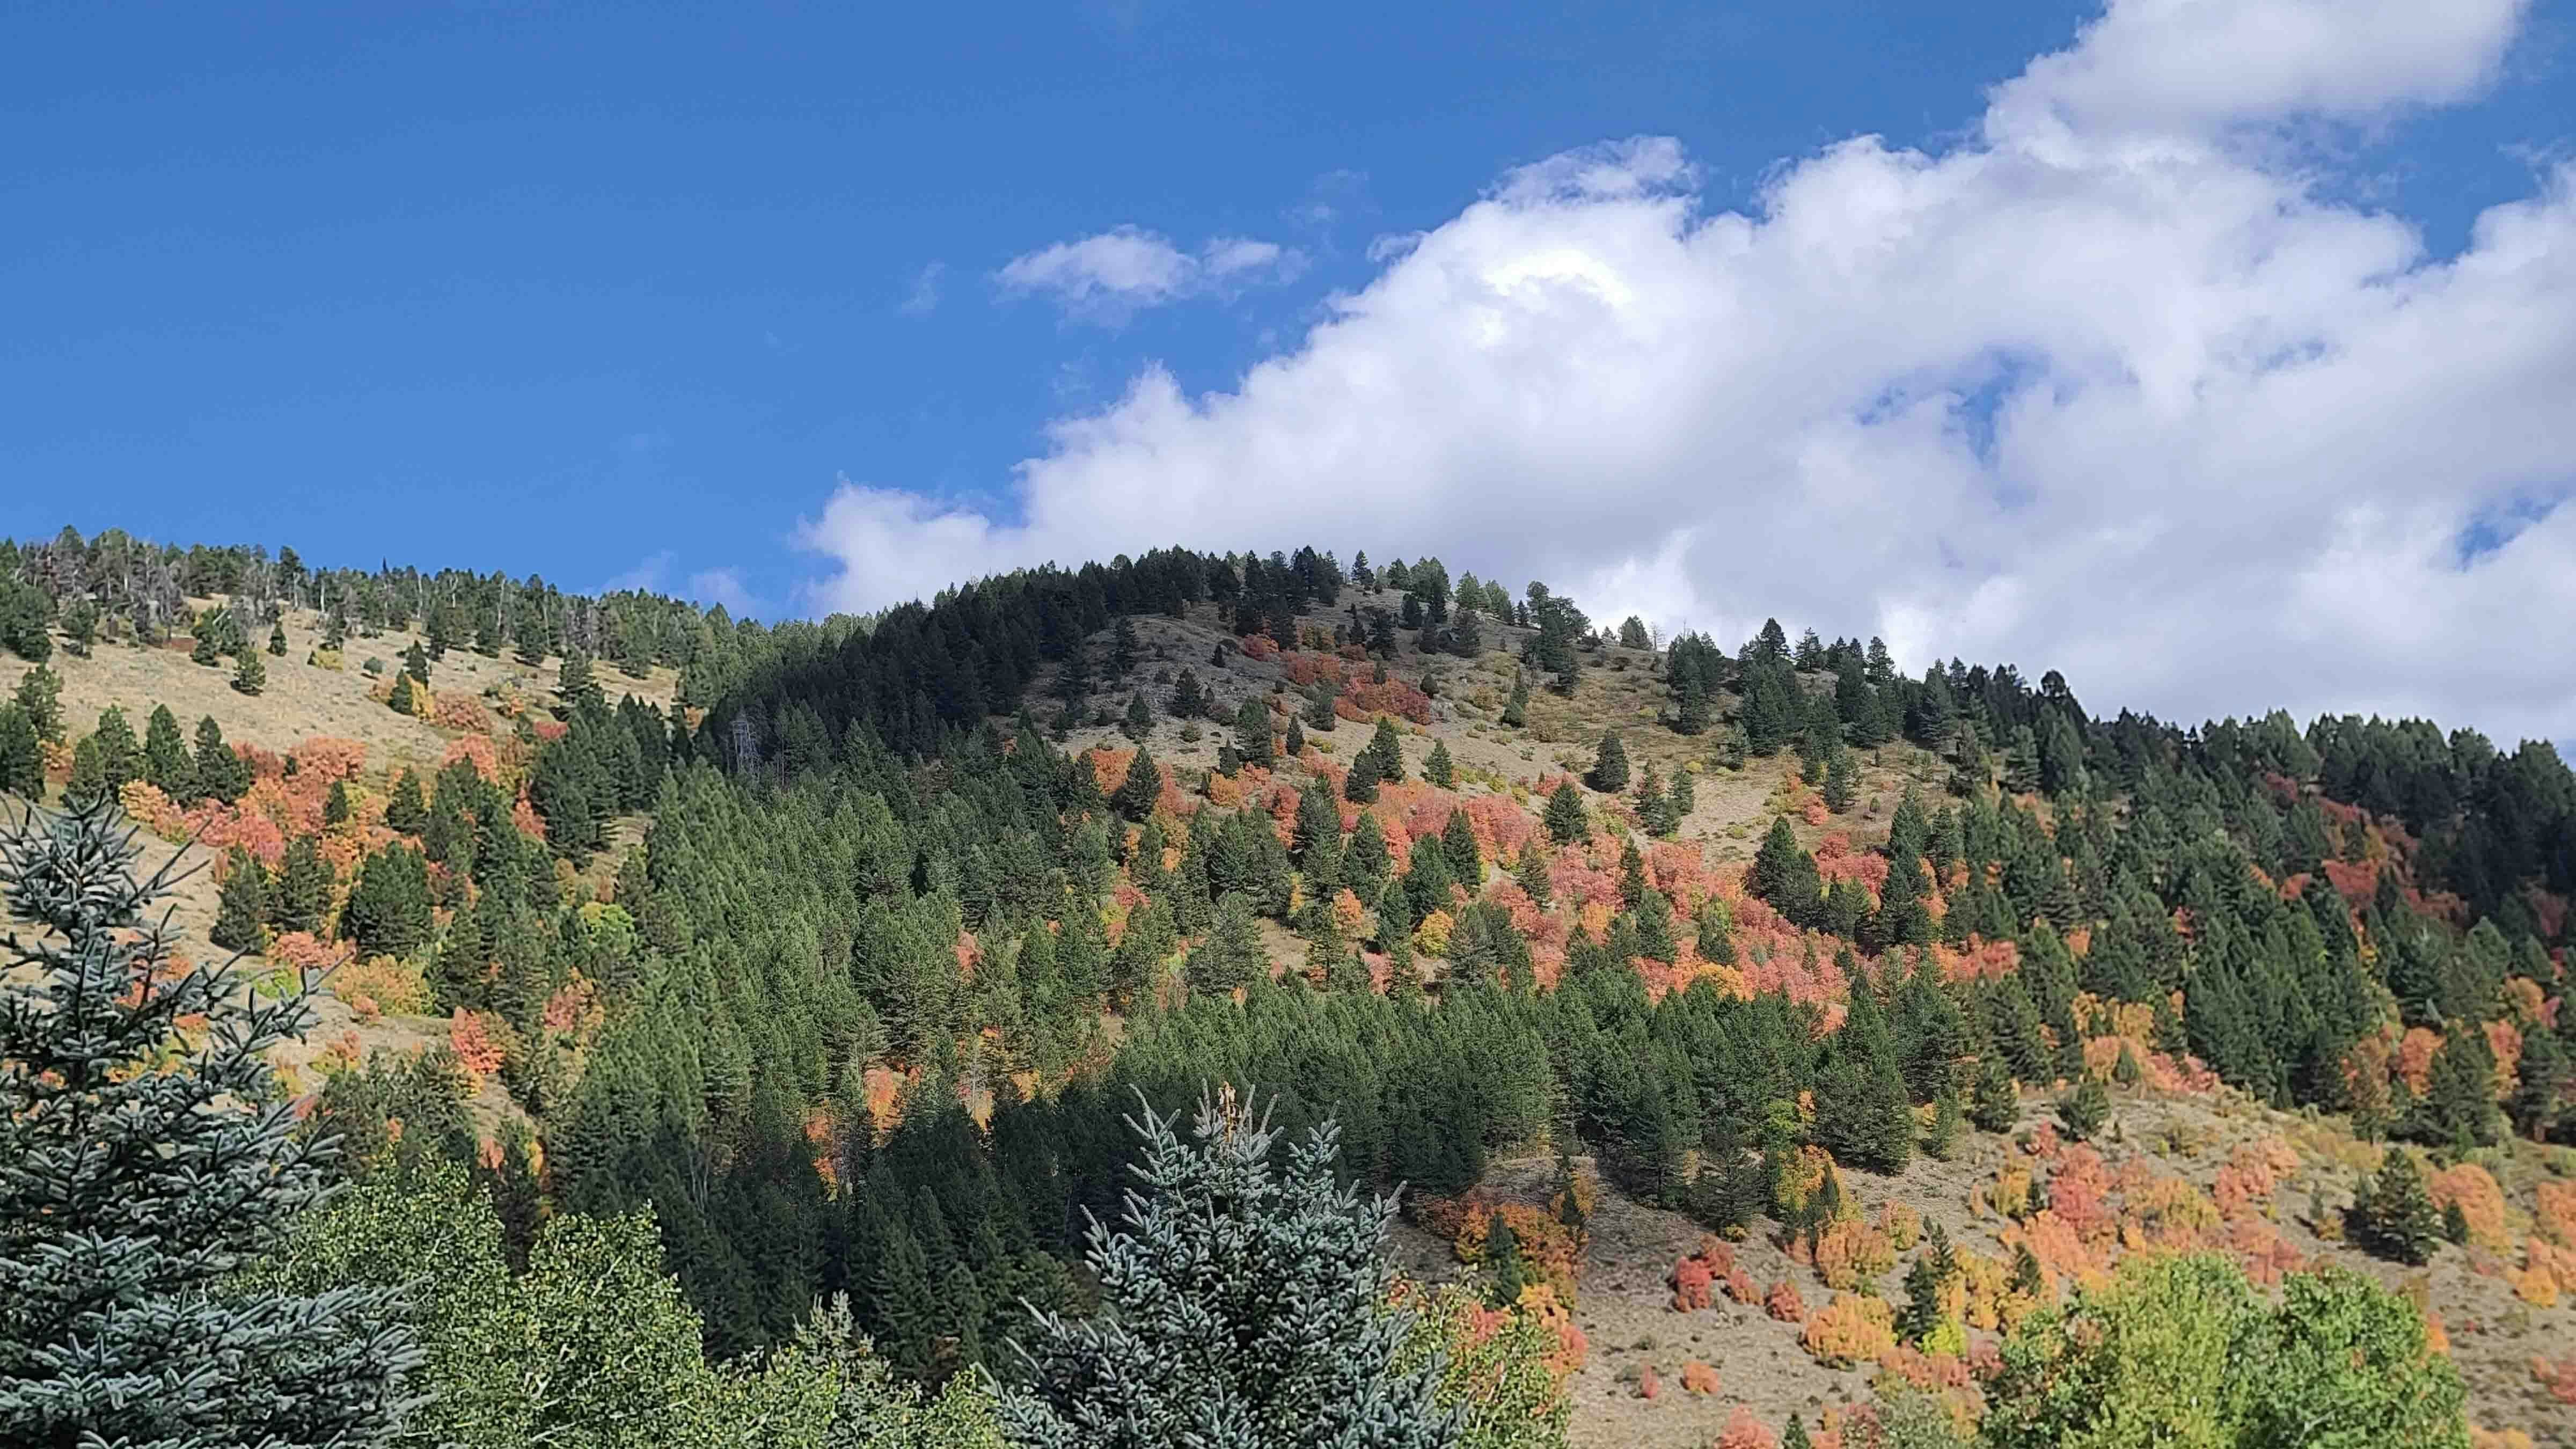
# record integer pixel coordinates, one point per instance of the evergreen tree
(1996, 1106)
(1140, 718)
(1842, 780)
(22, 755)
(1438, 769)
(1252, 732)
(40, 699)
(1242, 1304)
(1386, 752)
(1609, 767)
(277, 637)
(133, 1193)
(243, 905)
(389, 908)
(250, 675)
(576, 683)
(2459, 1097)
(1232, 955)
(165, 756)
(1565, 818)
(336, 805)
(1516, 708)
(1360, 785)
(2396, 1211)
(405, 809)
(222, 774)
(2086, 1110)
(303, 893)
(1189, 700)
(1135, 796)
(416, 665)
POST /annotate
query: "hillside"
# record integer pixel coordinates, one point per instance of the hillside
(852, 973)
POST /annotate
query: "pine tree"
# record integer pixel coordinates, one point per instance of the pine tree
(1189, 700)
(222, 774)
(336, 806)
(1360, 785)
(1942, 1139)
(1610, 766)
(1996, 1106)
(576, 683)
(1252, 732)
(165, 756)
(277, 637)
(1438, 769)
(303, 893)
(250, 675)
(1516, 709)
(1242, 1293)
(2459, 1098)
(1135, 796)
(389, 909)
(416, 664)
(406, 810)
(2396, 1211)
(1140, 718)
(40, 699)
(1387, 752)
(1231, 956)
(1842, 781)
(22, 755)
(2086, 1110)
(243, 906)
(133, 1192)
(1565, 818)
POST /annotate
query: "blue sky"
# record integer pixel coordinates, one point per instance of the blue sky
(629, 292)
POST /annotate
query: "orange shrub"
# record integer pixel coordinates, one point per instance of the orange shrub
(2558, 1378)
(475, 1049)
(1743, 1431)
(1698, 1378)
(1783, 1303)
(1648, 1385)
(1851, 1255)
(1852, 1329)
(2480, 1201)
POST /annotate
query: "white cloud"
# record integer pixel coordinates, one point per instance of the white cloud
(927, 286)
(646, 577)
(1108, 276)
(723, 586)
(2106, 388)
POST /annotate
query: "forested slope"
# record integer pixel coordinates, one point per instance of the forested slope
(850, 951)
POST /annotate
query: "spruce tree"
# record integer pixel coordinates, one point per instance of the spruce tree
(303, 892)
(1135, 796)
(1842, 780)
(416, 665)
(22, 755)
(1252, 732)
(2086, 1110)
(40, 698)
(576, 682)
(277, 637)
(1516, 709)
(1564, 818)
(406, 810)
(1996, 1106)
(1610, 766)
(243, 906)
(336, 806)
(1387, 752)
(165, 756)
(1140, 718)
(2396, 1211)
(132, 1193)
(250, 675)
(222, 774)
(1438, 769)
(1360, 785)
(389, 908)
(1243, 1303)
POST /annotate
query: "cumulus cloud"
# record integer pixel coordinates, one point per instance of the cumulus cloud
(2102, 388)
(1113, 274)
(724, 586)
